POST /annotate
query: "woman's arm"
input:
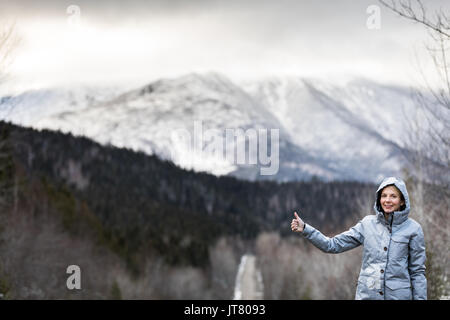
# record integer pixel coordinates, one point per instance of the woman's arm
(347, 240)
(416, 266)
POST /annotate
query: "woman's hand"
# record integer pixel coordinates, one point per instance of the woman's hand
(297, 224)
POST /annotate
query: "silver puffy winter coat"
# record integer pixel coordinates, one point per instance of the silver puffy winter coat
(393, 263)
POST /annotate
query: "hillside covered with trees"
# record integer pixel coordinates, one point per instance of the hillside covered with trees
(138, 206)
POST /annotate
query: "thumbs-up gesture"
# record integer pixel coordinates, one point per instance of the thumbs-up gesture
(297, 224)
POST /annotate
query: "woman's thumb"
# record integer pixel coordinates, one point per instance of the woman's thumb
(296, 216)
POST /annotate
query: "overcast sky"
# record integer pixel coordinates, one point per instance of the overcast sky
(134, 42)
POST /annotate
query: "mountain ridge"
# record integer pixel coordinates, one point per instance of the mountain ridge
(324, 130)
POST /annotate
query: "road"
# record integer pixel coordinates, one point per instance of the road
(249, 284)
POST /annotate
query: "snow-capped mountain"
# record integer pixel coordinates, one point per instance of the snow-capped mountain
(31, 106)
(358, 128)
(294, 128)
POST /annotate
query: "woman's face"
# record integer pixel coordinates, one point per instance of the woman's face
(391, 199)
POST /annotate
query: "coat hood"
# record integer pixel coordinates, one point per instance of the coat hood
(399, 216)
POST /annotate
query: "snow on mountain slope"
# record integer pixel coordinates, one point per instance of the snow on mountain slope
(149, 118)
(335, 131)
(382, 109)
(358, 127)
(31, 106)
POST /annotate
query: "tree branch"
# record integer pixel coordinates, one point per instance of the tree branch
(407, 11)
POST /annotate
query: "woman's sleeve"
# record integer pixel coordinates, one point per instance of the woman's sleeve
(347, 240)
(416, 266)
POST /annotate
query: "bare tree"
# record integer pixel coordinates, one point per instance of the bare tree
(293, 269)
(224, 266)
(429, 141)
(432, 125)
(416, 11)
(8, 42)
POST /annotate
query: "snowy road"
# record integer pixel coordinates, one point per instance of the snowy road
(249, 285)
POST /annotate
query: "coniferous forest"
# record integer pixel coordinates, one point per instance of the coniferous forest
(137, 206)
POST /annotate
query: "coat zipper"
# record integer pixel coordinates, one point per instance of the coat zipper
(387, 259)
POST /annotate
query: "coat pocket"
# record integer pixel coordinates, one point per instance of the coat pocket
(399, 247)
(398, 290)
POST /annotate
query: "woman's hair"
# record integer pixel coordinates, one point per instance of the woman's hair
(402, 198)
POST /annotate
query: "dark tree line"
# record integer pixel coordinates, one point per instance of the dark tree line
(137, 203)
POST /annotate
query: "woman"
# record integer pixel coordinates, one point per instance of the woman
(393, 264)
